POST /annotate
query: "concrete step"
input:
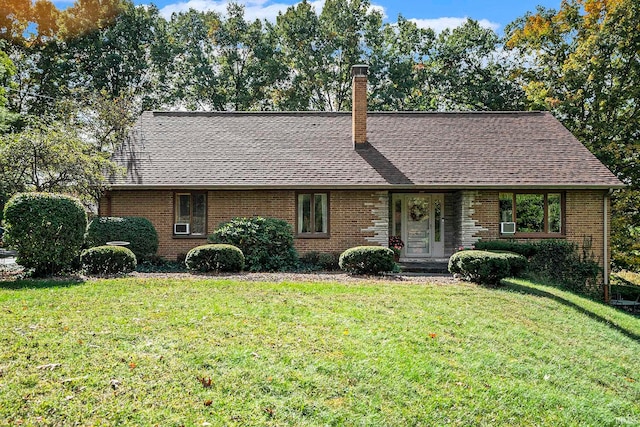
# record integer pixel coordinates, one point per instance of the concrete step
(6, 253)
(425, 267)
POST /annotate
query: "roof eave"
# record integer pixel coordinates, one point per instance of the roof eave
(388, 187)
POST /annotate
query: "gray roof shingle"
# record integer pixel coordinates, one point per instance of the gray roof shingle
(315, 150)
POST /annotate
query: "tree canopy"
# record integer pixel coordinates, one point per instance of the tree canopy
(97, 64)
(584, 67)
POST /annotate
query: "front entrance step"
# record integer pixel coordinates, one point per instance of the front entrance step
(425, 267)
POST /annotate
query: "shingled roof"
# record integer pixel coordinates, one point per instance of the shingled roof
(225, 150)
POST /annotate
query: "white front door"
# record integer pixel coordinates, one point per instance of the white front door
(419, 220)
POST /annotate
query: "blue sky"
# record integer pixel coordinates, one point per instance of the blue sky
(437, 14)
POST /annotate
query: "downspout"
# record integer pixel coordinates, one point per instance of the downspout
(605, 250)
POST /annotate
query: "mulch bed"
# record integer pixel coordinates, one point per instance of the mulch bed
(14, 272)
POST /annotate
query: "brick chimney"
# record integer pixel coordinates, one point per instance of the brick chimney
(359, 108)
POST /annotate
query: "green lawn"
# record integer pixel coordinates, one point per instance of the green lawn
(219, 352)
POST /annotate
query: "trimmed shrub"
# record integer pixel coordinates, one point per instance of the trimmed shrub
(527, 250)
(138, 231)
(518, 264)
(108, 260)
(47, 230)
(267, 243)
(564, 263)
(486, 268)
(217, 257)
(367, 260)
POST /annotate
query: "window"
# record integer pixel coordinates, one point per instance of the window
(191, 208)
(533, 213)
(313, 215)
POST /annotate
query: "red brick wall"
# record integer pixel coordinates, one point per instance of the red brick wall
(350, 212)
(583, 215)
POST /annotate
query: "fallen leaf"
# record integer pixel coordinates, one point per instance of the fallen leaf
(256, 355)
(114, 384)
(631, 380)
(432, 335)
(208, 402)
(206, 382)
(346, 332)
(49, 366)
(132, 365)
(269, 411)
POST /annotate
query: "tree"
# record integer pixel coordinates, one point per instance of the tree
(7, 70)
(472, 72)
(192, 80)
(584, 68)
(320, 50)
(249, 63)
(400, 73)
(52, 157)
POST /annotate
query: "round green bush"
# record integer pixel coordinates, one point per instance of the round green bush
(138, 231)
(47, 230)
(367, 260)
(217, 257)
(108, 260)
(487, 268)
(267, 243)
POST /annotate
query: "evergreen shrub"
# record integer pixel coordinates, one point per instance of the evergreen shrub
(108, 260)
(138, 231)
(217, 257)
(47, 230)
(367, 260)
(267, 243)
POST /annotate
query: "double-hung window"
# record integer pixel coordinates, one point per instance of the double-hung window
(191, 214)
(539, 213)
(312, 215)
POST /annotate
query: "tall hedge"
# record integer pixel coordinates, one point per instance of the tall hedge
(138, 231)
(47, 230)
(267, 243)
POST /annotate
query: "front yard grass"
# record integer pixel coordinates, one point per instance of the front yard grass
(175, 352)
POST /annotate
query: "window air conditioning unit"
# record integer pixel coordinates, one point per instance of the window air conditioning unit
(180, 228)
(507, 227)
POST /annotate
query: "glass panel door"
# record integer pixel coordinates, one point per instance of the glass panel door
(418, 225)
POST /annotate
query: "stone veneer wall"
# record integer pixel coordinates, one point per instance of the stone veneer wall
(356, 217)
(471, 225)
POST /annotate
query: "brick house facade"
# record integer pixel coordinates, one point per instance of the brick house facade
(437, 180)
(358, 217)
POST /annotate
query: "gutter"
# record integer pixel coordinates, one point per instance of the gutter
(378, 187)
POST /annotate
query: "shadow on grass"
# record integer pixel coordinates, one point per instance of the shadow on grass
(609, 322)
(43, 283)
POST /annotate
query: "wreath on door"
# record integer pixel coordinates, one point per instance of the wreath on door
(418, 211)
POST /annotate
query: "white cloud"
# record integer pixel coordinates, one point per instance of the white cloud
(254, 9)
(440, 24)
